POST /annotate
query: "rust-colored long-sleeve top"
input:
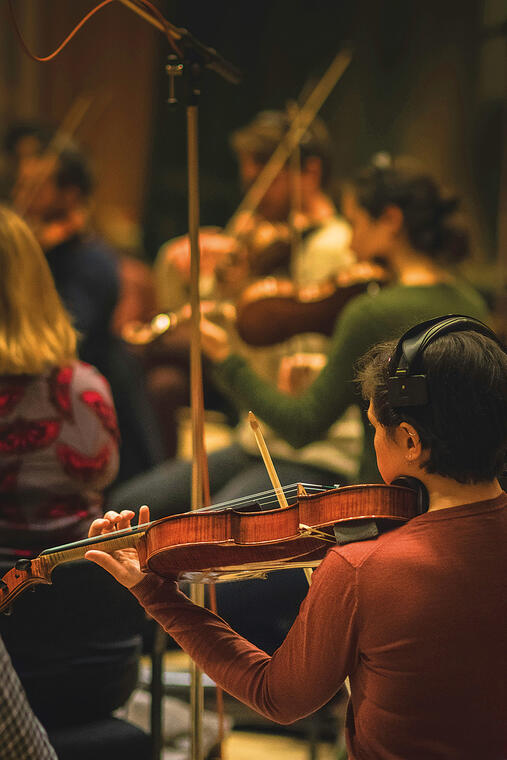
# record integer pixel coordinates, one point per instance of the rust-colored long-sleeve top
(416, 618)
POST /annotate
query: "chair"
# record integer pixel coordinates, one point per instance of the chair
(107, 739)
(76, 645)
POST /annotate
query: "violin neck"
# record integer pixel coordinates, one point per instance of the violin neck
(76, 551)
(28, 572)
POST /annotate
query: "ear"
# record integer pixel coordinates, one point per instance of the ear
(392, 218)
(71, 196)
(409, 441)
(312, 172)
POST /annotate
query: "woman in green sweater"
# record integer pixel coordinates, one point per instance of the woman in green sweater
(397, 214)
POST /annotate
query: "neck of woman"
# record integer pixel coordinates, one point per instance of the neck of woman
(442, 495)
(413, 267)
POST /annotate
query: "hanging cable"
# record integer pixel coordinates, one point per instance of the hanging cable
(168, 29)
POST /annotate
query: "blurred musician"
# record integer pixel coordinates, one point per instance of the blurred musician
(295, 231)
(53, 191)
(265, 243)
(415, 618)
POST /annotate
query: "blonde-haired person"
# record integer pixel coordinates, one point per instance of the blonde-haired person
(35, 330)
(58, 431)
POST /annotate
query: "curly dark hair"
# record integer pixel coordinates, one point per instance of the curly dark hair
(464, 424)
(427, 212)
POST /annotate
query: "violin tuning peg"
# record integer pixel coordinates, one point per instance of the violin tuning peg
(7, 611)
(23, 564)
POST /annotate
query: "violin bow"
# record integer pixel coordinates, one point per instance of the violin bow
(301, 122)
(270, 467)
(296, 200)
(266, 456)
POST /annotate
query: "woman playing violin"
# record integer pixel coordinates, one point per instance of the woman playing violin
(415, 618)
(399, 214)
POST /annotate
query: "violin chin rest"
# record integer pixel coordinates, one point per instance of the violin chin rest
(348, 533)
(423, 501)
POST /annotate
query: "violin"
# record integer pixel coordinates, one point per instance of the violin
(137, 333)
(244, 538)
(264, 245)
(272, 310)
(254, 247)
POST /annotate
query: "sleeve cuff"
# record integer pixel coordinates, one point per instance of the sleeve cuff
(147, 589)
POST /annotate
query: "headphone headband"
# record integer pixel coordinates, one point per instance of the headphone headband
(407, 387)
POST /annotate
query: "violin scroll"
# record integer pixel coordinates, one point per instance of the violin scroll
(17, 580)
(142, 333)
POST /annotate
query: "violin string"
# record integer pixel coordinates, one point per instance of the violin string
(265, 498)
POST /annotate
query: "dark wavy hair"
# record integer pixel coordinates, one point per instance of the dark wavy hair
(427, 212)
(464, 425)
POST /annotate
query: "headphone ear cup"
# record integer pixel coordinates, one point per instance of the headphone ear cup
(423, 499)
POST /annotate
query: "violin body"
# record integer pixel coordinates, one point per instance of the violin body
(257, 542)
(272, 310)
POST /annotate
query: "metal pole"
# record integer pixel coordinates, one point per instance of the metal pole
(197, 590)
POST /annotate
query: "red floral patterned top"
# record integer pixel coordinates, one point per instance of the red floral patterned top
(58, 451)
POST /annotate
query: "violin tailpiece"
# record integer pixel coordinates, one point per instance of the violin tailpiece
(307, 530)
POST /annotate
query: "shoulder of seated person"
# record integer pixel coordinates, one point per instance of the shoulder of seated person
(85, 374)
(356, 553)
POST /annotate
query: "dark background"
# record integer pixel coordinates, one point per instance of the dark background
(427, 79)
(415, 85)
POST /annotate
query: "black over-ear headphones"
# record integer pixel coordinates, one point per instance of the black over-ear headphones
(407, 385)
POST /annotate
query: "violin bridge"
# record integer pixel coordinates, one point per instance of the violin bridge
(307, 530)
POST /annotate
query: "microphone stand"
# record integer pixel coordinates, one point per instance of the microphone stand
(192, 57)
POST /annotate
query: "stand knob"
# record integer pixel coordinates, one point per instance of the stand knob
(174, 68)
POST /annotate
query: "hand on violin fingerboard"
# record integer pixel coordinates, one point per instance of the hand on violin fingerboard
(296, 373)
(232, 276)
(214, 341)
(215, 249)
(123, 564)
